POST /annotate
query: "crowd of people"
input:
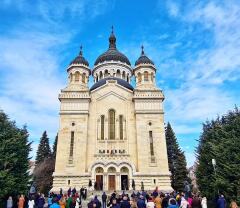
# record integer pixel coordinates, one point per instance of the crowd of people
(137, 199)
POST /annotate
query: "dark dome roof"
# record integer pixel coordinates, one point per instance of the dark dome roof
(112, 54)
(143, 59)
(119, 81)
(80, 59)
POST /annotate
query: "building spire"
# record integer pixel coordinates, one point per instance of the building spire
(81, 51)
(112, 40)
(142, 53)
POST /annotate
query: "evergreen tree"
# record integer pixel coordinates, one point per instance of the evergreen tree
(14, 161)
(55, 147)
(220, 140)
(44, 150)
(176, 160)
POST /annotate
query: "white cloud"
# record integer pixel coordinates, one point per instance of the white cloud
(173, 8)
(30, 60)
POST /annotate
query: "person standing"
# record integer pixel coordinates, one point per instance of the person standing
(158, 202)
(150, 203)
(21, 201)
(221, 202)
(233, 205)
(184, 203)
(141, 202)
(31, 203)
(55, 202)
(41, 201)
(125, 203)
(204, 202)
(62, 202)
(104, 200)
(196, 203)
(9, 202)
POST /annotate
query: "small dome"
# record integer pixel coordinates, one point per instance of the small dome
(80, 59)
(143, 59)
(112, 54)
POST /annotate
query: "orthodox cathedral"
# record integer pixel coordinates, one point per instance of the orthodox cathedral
(111, 135)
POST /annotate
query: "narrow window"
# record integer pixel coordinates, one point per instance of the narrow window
(139, 76)
(71, 147)
(121, 127)
(77, 75)
(68, 182)
(124, 75)
(102, 127)
(101, 75)
(151, 143)
(145, 76)
(84, 78)
(111, 124)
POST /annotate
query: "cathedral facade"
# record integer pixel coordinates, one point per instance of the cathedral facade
(111, 134)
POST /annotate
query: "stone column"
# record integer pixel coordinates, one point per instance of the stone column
(105, 181)
(118, 181)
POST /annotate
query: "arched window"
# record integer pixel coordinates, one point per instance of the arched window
(121, 127)
(127, 78)
(145, 76)
(118, 75)
(111, 124)
(101, 75)
(77, 76)
(97, 78)
(139, 77)
(84, 78)
(102, 127)
(71, 77)
(124, 75)
(106, 73)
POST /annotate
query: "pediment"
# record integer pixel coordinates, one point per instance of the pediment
(111, 94)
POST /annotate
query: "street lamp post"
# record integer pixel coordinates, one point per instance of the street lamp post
(214, 163)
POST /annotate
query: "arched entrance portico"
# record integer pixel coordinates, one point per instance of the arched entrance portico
(112, 176)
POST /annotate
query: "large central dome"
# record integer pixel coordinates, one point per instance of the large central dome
(112, 54)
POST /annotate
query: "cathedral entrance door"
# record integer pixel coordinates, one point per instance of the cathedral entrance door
(99, 182)
(111, 183)
(124, 182)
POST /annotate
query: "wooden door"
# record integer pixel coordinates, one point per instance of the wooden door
(99, 180)
(111, 182)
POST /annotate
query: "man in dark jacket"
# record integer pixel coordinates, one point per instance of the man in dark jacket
(141, 202)
(40, 202)
(165, 201)
(104, 199)
(125, 203)
(221, 202)
(97, 202)
(115, 204)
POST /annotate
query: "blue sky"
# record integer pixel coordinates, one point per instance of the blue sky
(194, 44)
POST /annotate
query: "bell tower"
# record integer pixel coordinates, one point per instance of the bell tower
(79, 72)
(144, 72)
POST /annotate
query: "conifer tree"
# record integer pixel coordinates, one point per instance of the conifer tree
(14, 161)
(220, 140)
(44, 150)
(176, 160)
(55, 147)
